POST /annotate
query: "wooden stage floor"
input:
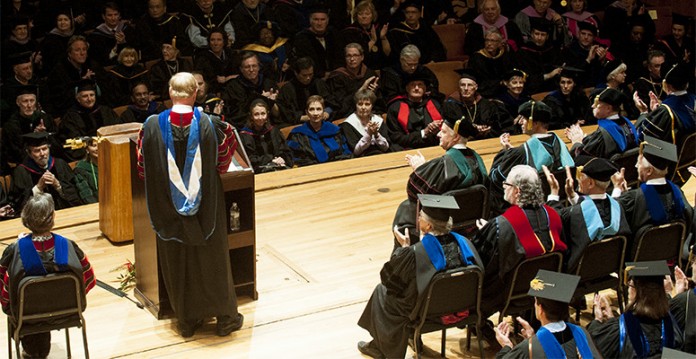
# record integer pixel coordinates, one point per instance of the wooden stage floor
(323, 234)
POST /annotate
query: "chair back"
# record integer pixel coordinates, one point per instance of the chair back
(517, 286)
(51, 296)
(451, 291)
(627, 161)
(663, 242)
(560, 176)
(473, 204)
(452, 37)
(601, 258)
(687, 157)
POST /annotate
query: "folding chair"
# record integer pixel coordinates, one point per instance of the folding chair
(599, 260)
(453, 291)
(517, 300)
(687, 157)
(661, 242)
(46, 303)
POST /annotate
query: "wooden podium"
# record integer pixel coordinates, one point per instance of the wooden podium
(115, 208)
(238, 186)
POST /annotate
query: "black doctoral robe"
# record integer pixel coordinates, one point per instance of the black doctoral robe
(386, 315)
(437, 176)
(344, 84)
(568, 110)
(134, 114)
(424, 37)
(601, 144)
(606, 337)
(152, 33)
(482, 112)
(79, 121)
(26, 175)
(193, 251)
(420, 115)
(12, 144)
(211, 66)
(564, 337)
(292, 100)
(393, 80)
(238, 94)
(162, 71)
(490, 70)
(537, 61)
(119, 82)
(326, 56)
(683, 308)
(262, 146)
(676, 112)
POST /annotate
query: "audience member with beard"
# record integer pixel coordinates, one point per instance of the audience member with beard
(141, 107)
(491, 63)
(84, 118)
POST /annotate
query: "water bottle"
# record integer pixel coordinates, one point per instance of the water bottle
(235, 224)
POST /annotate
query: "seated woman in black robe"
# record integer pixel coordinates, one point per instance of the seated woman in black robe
(367, 32)
(263, 142)
(514, 95)
(218, 63)
(123, 77)
(646, 326)
(317, 141)
(366, 133)
(568, 103)
(55, 43)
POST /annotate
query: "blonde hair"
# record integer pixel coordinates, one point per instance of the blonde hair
(182, 85)
(128, 51)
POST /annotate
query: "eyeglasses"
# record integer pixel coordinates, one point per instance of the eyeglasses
(352, 56)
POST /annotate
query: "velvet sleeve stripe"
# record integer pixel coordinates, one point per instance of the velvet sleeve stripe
(88, 274)
(141, 160)
(4, 291)
(227, 145)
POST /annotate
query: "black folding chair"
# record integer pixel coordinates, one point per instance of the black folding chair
(663, 242)
(687, 157)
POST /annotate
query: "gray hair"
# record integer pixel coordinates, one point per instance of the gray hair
(658, 172)
(526, 178)
(439, 227)
(37, 214)
(410, 52)
(354, 45)
(617, 71)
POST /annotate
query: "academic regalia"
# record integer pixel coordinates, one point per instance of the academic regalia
(406, 120)
(482, 112)
(211, 66)
(119, 83)
(87, 181)
(80, 121)
(501, 249)
(612, 136)
(102, 42)
(387, 313)
(152, 33)
(13, 270)
(290, 15)
(490, 70)
(192, 249)
(292, 99)
(645, 84)
(674, 53)
(676, 112)
(682, 307)
(567, 111)
(572, 19)
(512, 104)
(272, 58)
(245, 21)
(311, 147)
(617, 23)
(344, 84)
(549, 150)
(475, 39)
(265, 145)
(459, 168)
(134, 114)
(574, 55)
(393, 80)
(374, 57)
(607, 338)
(630, 110)
(15, 127)
(238, 93)
(53, 48)
(26, 175)
(199, 24)
(162, 71)
(424, 37)
(537, 61)
(564, 337)
(355, 132)
(557, 36)
(326, 56)
(60, 94)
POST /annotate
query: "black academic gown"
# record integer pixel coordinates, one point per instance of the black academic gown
(564, 337)
(600, 143)
(245, 21)
(606, 337)
(506, 159)
(192, 250)
(60, 85)
(683, 308)
(162, 71)
(292, 100)
(424, 37)
(344, 84)
(263, 146)
(393, 80)
(17, 125)
(119, 82)
(326, 57)
(26, 175)
(482, 112)
(79, 121)
(646, 84)
(575, 228)
(536, 61)
(152, 33)
(568, 110)
(658, 123)
(238, 94)
(212, 66)
(437, 176)
(490, 70)
(386, 315)
(501, 251)
(419, 117)
(134, 114)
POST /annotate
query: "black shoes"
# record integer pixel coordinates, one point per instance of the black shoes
(226, 324)
(367, 348)
(187, 329)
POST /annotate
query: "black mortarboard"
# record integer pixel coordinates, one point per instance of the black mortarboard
(597, 168)
(26, 90)
(680, 20)
(467, 74)
(19, 58)
(271, 25)
(588, 26)
(411, 3)
(170, 41)
(35, 139)
(318, 9)
(419, 76)
(535, 111)
(540, 24)
(570, 72)
(85, 85)
(515, 73)
(553, 285)
(659, 153)
(651, 269)
(677, 75)
(462, 127)
(436, 206)
(612, 97)
(609, 67)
